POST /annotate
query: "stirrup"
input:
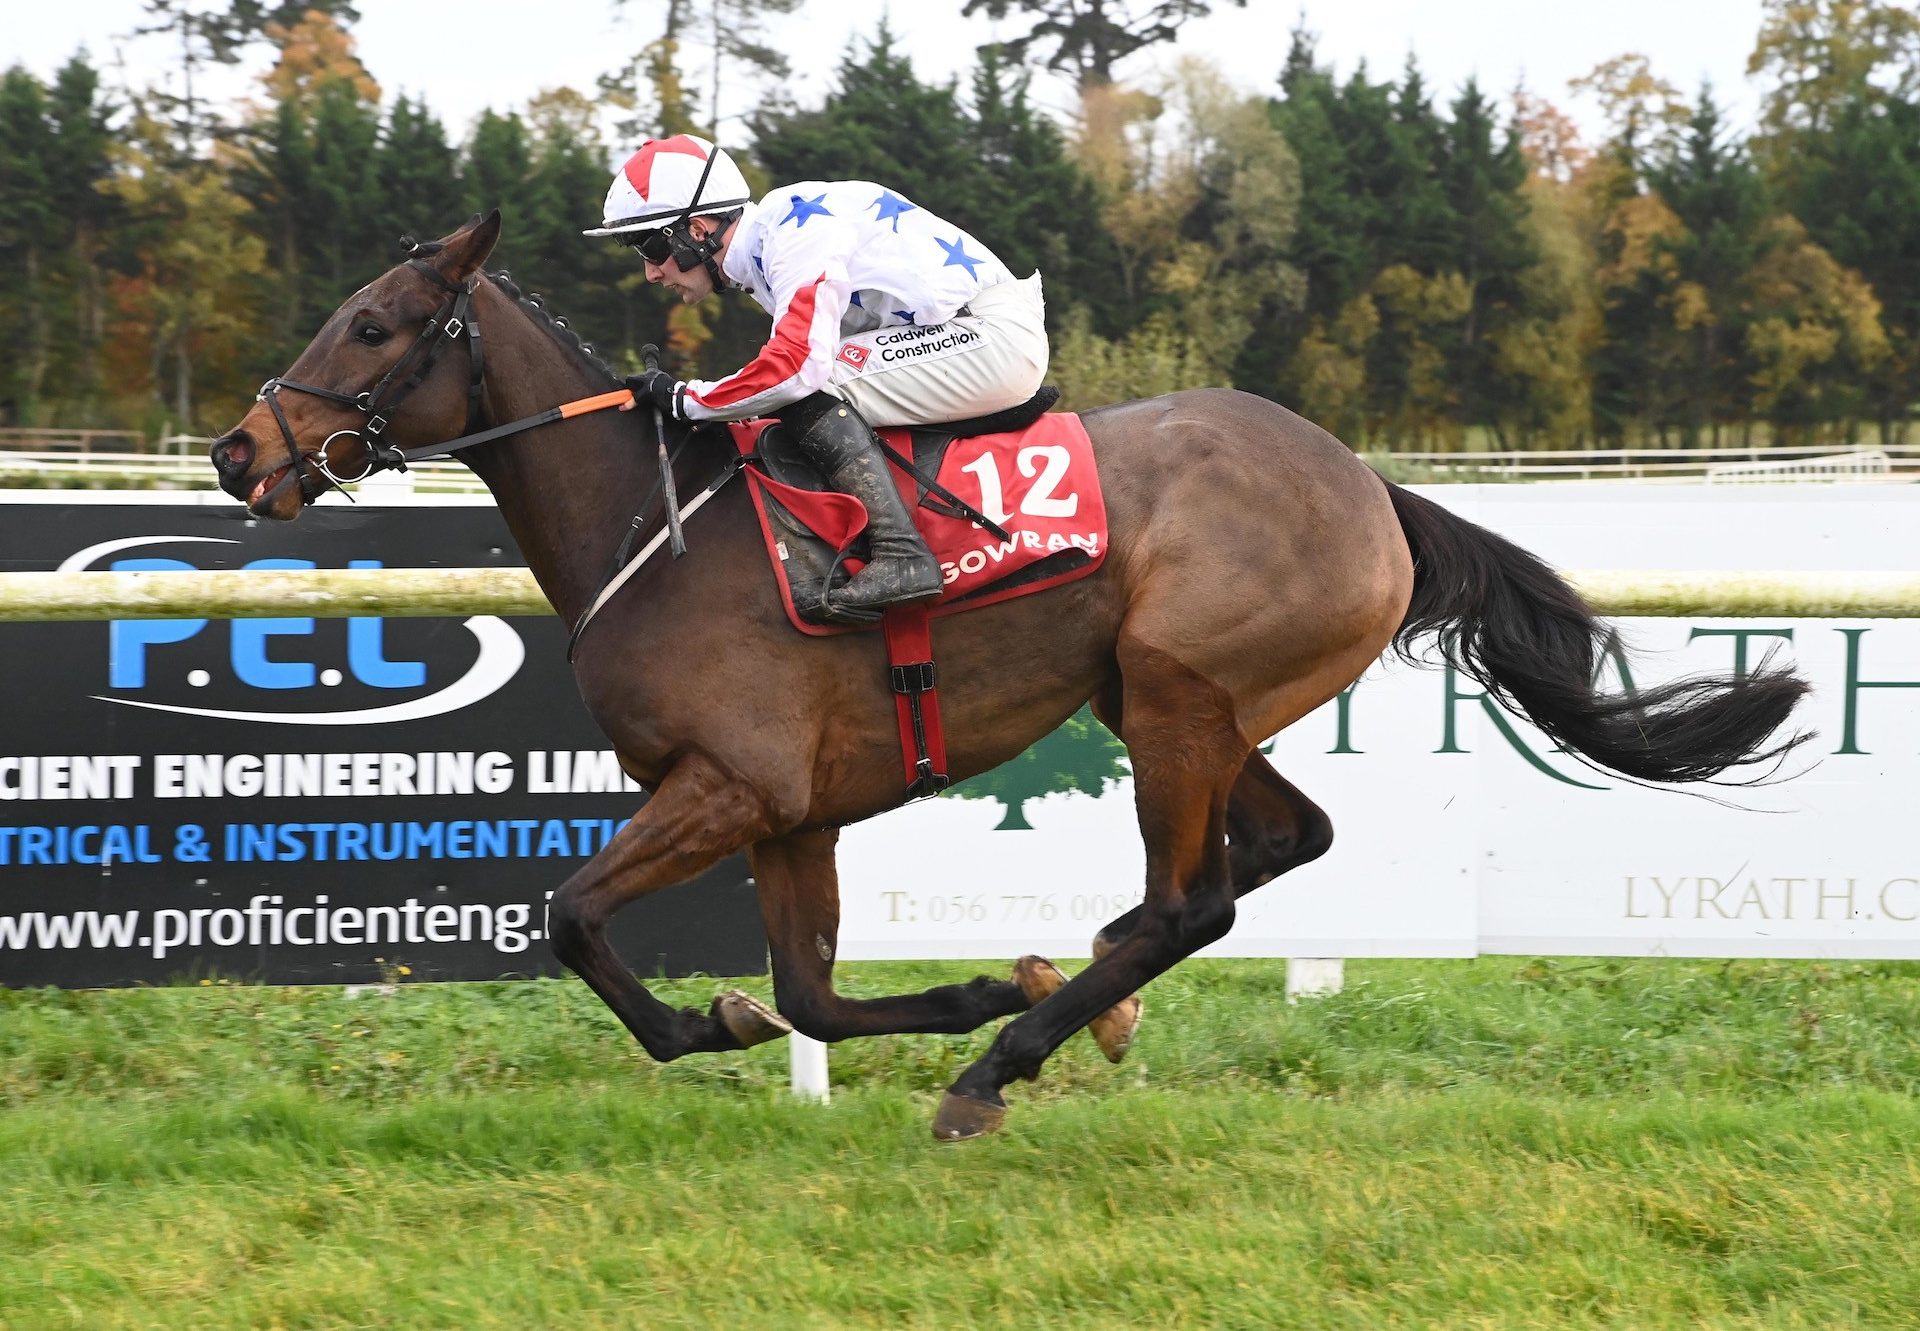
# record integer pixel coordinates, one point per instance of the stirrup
(905, 574)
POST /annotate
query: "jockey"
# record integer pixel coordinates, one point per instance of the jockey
(883, 314)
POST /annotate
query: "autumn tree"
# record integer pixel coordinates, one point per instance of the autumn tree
(197, 268)
(210, 32)
(1632, 233)
(704, 47)
(311, 173)
(1643, 112)
(1198, 192)
(1841, 141)
(1820, 56)
(1814, 338)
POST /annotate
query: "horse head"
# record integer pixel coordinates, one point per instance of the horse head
(371, 381)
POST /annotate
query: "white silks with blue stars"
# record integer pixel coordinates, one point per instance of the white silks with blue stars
(828, 260)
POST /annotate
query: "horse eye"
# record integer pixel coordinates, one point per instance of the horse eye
(371, 334)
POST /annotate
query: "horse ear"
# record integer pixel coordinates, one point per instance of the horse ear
(462, 253)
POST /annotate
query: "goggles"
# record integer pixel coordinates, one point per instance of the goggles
(655, 246)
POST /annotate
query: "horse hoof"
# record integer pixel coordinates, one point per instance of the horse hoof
(1113, 1029)
(962, 1118)
(748, 1020)
(1037, 978)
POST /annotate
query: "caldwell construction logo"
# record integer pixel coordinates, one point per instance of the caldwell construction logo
(288, 671)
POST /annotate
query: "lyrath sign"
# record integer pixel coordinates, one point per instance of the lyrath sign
(1459, 828)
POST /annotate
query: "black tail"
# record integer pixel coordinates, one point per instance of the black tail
(1505, 619)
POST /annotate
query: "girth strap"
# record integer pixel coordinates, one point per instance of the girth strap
(923, 740)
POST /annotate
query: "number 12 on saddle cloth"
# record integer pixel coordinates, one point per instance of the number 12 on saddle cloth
(1039, 484)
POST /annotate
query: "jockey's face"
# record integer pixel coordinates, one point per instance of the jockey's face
(690, 286)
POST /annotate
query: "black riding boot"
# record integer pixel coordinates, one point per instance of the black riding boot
(900, 569)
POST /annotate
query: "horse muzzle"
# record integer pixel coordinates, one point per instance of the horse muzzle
(257, 481)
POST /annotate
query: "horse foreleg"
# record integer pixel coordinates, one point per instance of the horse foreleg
(799, 887)
(696, 816)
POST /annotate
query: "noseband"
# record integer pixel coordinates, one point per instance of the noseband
(378, 404)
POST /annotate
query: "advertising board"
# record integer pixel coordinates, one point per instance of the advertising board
(1459, 828)
(264, 767)
(303, 800)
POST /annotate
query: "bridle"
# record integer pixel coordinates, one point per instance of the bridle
(449, 323)
(453, 320)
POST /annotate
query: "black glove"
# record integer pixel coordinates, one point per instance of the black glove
(656, 388)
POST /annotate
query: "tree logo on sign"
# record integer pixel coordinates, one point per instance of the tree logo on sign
(1081, 755)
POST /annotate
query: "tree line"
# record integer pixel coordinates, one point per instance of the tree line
(1407, 266)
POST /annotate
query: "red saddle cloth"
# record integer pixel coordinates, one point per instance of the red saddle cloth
(1039, 483)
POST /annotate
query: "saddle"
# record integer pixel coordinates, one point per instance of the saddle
(1009, 504)
(814, 536)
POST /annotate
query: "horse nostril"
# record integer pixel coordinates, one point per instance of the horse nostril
(236, 450)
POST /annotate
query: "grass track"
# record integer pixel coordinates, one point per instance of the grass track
(1489, 1144)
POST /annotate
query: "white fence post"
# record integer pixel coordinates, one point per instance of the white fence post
(1307, 976)
(807, 1064)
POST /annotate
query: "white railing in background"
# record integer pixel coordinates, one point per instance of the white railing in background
(32, 437)
(1893, 463)
(189, 470)
(180, 461)
(1869, 464)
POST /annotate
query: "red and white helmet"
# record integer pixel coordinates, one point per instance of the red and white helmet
(670, 180)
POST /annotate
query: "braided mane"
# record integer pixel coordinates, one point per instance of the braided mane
(554, 324)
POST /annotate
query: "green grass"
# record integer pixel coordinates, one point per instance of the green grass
(1499, 1143)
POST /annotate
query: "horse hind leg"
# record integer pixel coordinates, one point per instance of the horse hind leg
(1272, 827)
(799, 889)
(697, 815)
(1187, 752)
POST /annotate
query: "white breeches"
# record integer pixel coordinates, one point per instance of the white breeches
(989, 359)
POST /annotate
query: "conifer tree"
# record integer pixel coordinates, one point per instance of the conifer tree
(312, 173)
(1717, 195)
(30, 231)
(579, 278)
(1090, 37)
(496, 166)
(880, 122)
(1857, 189)
(418, 174)
(82, 138)
(1483, 180)
(1033, 204)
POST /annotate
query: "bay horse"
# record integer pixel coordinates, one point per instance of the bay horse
(1256, 568)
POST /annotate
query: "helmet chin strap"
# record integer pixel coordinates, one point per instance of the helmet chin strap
(691, 254)
(688, 252)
